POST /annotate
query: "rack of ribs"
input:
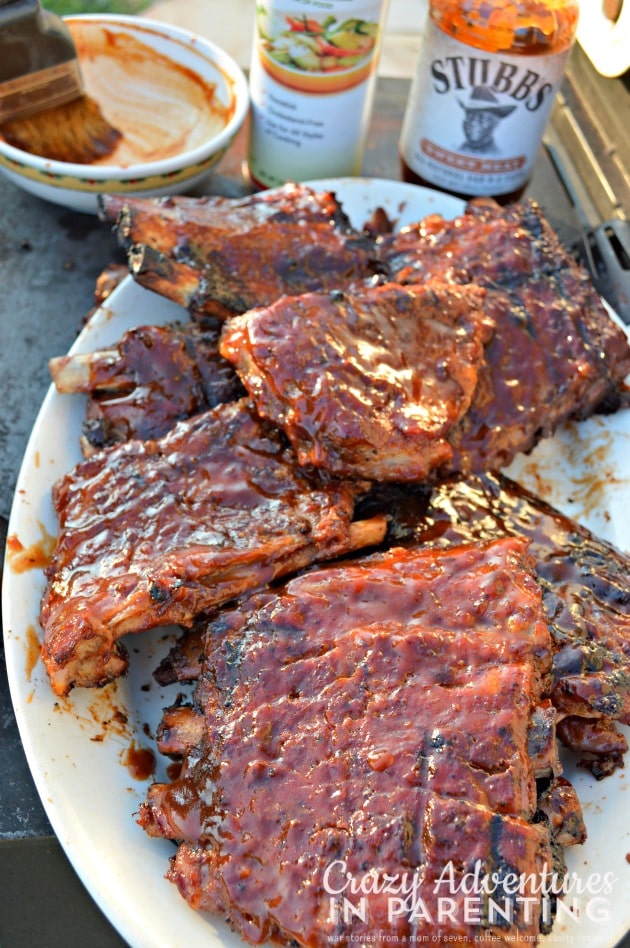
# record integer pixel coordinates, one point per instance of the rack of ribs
(382, 715)
(152, 378)
(556, 353)
(155, 532)
(586, 594)
(221, 256)
(365, 383)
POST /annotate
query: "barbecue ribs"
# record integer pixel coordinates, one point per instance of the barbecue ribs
(586, 594)
(152, 378)
(555, 354)
(365, 383)
(221, 256)
(378, 715)
(154, 532)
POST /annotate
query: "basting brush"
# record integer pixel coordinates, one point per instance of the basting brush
(43, 105)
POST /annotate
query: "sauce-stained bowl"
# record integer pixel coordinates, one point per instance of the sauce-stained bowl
(177, 99)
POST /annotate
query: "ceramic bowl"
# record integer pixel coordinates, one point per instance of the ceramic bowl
(177, 98)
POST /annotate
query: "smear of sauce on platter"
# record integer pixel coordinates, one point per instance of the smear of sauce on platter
(161, 107)
(103, 708)
(576, 470)
(33, 650)
(37, 555)
(108, 712)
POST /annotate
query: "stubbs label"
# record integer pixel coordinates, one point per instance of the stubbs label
(474, 120)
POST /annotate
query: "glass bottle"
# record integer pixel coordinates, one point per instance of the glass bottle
(487, 75)
(312, 83)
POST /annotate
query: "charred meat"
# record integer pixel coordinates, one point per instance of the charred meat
(383, 714)
(556, 353)
(586, 594)
(221, 256)
(153, 532)
(369, 382)
(151, 379)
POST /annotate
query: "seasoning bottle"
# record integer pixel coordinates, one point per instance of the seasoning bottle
(487, 75)
(312, 83)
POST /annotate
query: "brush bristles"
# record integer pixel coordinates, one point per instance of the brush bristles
(76, 132)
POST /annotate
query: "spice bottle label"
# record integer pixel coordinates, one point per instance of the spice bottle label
(475, 120)
(311, 83)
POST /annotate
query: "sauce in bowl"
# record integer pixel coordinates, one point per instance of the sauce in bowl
(161, 107)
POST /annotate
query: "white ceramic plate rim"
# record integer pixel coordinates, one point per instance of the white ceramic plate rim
(88, 794)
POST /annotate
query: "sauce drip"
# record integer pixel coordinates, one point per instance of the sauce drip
(35, 556)
(139, 761)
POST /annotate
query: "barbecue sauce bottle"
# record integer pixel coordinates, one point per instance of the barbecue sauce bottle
(487, 75)
(312, 82)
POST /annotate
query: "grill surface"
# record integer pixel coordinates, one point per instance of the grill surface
(589, 135)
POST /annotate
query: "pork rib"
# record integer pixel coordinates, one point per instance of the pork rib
(556, 352)
(365, 383)
(222, 256)
(374, 715)
(153, 532)
(586, 594)
(152, 378)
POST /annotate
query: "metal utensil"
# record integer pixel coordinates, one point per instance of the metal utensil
(604, 246)
(605, 251)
